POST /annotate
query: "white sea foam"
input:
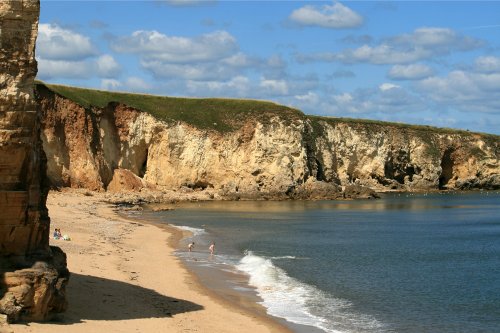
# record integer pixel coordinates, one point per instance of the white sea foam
(289, 257)
(300, 303)
(194, 231)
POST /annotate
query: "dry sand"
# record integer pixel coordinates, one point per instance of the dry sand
(125, 278)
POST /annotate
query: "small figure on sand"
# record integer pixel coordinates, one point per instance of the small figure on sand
(212, 248)
(191, 246)
(57, 233)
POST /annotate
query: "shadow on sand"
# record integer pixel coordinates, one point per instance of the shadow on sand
(94, 298)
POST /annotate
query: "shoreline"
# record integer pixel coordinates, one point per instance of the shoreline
(125, 277)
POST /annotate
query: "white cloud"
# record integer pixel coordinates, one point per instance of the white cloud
(388, 86)
(56, 43)
(410, 72)
(274, 87)
(310, 98)
(422, 44)
(464, 90)
(487, 64)
(49, 69)
(336, 16)
(209, 57)
(107, 66)
(137, 84)
(237, 86)
(153, 45)
(104, 66)
(110, 84)
(442, 39)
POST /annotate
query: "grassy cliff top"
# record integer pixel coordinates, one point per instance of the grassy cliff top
(376, 125)
(224, 114)
(220, 114)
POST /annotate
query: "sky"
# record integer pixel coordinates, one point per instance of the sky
(421, 62)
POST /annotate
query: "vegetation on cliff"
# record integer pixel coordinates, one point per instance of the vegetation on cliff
(225, 114)
(219, 114)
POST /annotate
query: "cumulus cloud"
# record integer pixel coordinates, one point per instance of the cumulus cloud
(410, 72)
(132, 83)
(110, 84)
(50, 69)
(421, 44)
(238, 86)
(274, 87)
(198, 72)
(487, 64)
(336, 16)
(107, 66)
(464, 90)
(213, 56)
(56, 43)
(153, 45)
(443, 39)
(104, 66)
(388, 86)
(311, 98)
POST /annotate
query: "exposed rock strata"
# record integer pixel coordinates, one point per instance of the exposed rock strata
(30, 282)
(307, 157)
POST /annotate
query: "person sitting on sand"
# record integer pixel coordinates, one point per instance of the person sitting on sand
(212, 248)
(57, 233)
(191, 246)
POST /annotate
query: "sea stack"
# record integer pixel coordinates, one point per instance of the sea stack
(33, 275)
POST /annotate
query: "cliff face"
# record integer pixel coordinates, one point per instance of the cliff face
(302, 157)
(398, 157)
(32, 275)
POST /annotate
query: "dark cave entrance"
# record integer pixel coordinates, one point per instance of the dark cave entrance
(446, 169)
(144, 165)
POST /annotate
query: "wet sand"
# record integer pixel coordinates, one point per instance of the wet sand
(125, 278)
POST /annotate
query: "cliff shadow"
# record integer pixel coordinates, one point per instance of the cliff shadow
(95, 298)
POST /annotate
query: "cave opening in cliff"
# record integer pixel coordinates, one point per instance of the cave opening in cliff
(320, 175)
(144, 165)
(446, 169)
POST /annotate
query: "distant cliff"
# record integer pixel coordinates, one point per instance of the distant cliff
(250, 149)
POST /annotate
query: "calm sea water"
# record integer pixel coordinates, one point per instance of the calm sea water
(404, 263)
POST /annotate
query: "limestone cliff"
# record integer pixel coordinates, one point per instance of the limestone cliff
(32, 275)
(282, 155)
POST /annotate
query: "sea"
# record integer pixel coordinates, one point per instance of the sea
(402, 263)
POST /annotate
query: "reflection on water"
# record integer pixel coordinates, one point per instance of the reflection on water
(389, 202)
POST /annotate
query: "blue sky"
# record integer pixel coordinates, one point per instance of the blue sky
(421, 62)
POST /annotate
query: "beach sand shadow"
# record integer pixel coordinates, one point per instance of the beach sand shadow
(95, 298)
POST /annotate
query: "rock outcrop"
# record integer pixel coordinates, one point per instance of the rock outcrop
(285, 156)
(32, 276)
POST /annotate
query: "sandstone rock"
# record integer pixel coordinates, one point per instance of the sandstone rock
(125, 180)
(32, 276)
(36, 292)
(359, 192)
(271, 160)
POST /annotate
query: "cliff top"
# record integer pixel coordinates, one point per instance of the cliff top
(220, 114)
(226, 114)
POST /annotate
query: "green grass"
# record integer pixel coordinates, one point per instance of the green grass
(219, 114)
(224, 114)
(419, 128)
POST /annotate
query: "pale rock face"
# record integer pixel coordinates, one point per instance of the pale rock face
(271, 160)
(276, 160)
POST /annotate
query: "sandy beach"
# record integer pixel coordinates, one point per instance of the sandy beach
(125, 278)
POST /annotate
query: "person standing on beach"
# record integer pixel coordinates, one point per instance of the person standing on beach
(212, 248)
(191, 246)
